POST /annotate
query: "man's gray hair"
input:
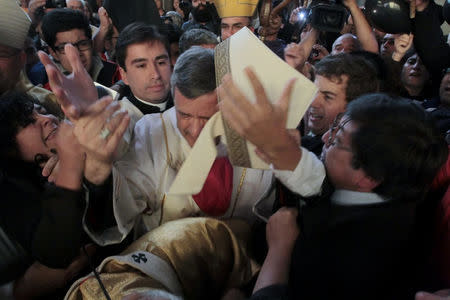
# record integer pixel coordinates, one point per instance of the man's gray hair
(194, 73)
(197, 37)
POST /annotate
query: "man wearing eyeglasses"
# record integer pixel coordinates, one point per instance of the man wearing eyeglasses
(60, 27)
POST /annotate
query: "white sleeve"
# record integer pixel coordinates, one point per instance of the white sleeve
(307, 178)
(133, 186)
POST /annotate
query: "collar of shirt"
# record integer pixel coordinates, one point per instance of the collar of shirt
(346, 197)
(161, 106)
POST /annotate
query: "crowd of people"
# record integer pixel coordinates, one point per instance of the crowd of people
(146, 152)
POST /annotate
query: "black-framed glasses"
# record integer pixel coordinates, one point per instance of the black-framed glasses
(80, 45)
(334, 128)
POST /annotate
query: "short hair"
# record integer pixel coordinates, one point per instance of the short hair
(61, 20)
(16, 112)
(348, 35)
(194, 73)
(176, 18)
(137, 33)
(361, 74)
(397, 143)
(82, 2)
(197, 37)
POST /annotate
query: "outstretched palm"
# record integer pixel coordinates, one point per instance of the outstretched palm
(76, 91)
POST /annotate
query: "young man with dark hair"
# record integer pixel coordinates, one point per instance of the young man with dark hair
(143, 56)
(340, 79)
(62, 26)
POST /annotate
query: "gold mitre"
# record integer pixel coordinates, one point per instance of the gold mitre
(235, 8)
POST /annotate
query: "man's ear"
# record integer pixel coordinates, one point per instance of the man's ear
(367, 183)
(123, 74)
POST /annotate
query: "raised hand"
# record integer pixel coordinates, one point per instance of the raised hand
(402, 43)
(99, 131)
(76, 91)
(262, 123)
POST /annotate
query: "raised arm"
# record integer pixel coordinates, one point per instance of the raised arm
(363, 30)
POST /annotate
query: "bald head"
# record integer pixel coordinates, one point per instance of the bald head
(346, 43)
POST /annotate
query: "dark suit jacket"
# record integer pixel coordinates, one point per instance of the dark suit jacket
(352, 252)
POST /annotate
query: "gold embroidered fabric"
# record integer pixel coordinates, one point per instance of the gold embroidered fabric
(209, 257)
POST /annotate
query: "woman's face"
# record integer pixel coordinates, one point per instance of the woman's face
(38, 138)
(414, 73)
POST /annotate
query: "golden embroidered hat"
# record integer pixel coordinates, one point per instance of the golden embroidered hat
(14, 24)
(235, 8)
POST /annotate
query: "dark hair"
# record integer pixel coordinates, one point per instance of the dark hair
(137, 33)
(61, 20)
(197, 37)
(194, 73)
(397, 143)
(16, 112)
(361, 74)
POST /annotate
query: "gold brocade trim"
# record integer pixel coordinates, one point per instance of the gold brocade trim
(237, 146)
(241, 182)
(162, 209)
(169, 157)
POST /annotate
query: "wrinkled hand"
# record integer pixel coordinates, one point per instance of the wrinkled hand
(294, 55)
(76, 91)
(282, 230)
(98, 117)
(402, 43)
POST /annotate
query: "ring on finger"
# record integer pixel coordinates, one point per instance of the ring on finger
(104, 133)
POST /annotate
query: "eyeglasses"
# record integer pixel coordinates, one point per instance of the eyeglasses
(389, 41)
(81, 46)
(335, 127)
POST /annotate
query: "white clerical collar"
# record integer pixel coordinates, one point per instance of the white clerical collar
(161, 106)
(346, 197)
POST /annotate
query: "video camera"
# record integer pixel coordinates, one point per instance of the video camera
(329, 16)
(55, 3)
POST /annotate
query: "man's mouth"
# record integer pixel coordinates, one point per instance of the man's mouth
(314, 117)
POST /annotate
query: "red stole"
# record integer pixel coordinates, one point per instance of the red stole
(215, 196)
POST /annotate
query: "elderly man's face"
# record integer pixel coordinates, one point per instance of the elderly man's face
(11, 63)
(75, 5)
(345, 44)
(192, 114)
